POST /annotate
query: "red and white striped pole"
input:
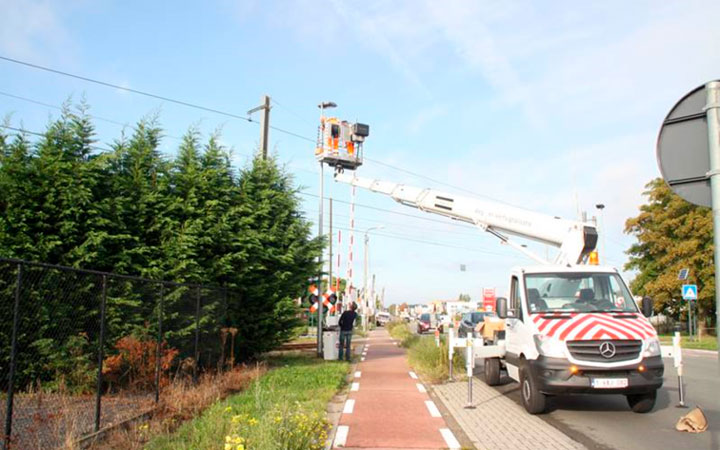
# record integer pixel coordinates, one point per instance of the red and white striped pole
(351, 241)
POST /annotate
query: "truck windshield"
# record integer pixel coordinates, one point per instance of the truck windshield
(577, 292)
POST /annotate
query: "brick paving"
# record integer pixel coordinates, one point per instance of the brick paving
(498, 422)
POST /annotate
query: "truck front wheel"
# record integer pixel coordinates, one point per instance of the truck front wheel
(642, 403)
(492, 371)
(533, 400)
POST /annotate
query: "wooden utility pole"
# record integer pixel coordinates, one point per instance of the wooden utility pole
(264, 123)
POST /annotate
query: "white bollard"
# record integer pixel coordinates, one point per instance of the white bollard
(451, 352)
(677, 360)
(470, 364)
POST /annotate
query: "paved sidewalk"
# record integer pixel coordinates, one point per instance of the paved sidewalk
(387, 406)
(497, 422)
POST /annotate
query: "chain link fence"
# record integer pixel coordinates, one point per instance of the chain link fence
(84, 350)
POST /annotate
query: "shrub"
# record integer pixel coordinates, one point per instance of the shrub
(400, 331)
(135, 364)
(432, 361)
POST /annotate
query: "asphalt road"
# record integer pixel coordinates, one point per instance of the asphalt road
(606, 422)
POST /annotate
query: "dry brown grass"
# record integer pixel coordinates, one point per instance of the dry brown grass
(181, 401)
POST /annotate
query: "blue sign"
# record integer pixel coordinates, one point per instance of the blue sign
(689, 292)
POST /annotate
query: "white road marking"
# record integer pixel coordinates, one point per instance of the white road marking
(355, 387)
(349, 406)
(413, 376)
(450, 440)
(358, 374)
(341, 436)
(434, 412)
(420, 387)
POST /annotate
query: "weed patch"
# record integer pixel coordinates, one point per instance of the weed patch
(424, 355)
(284, 409)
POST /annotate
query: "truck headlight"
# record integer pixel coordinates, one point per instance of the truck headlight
(653, 348)
(548, 346)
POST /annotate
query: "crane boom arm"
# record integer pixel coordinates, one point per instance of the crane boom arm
(575, 239)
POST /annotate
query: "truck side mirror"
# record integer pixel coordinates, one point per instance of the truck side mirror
(501, 307)
(647, 306)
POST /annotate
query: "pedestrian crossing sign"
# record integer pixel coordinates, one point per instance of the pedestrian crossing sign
(689, 292)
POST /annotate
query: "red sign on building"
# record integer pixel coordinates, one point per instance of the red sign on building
(489, 299)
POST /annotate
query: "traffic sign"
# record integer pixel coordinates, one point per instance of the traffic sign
(683, 274)
(689, 292)
(683, 151)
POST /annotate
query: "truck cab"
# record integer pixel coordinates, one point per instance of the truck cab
(574, 330)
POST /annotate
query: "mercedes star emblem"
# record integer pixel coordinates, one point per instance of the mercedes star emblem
(607, 349)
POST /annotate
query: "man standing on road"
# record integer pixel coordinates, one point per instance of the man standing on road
(346, 322)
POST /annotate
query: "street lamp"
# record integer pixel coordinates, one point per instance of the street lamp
(365, 288)
(322, 107)
(602, 259)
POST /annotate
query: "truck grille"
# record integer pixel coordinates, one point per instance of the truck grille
(599, 350)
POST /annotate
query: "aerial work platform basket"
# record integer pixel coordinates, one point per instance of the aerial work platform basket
(340, 143)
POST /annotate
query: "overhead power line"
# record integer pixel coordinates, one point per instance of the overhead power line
(60, 108)
(424, 241)
(471, 233)
(151, 95)
(428, 219)
(223, 113)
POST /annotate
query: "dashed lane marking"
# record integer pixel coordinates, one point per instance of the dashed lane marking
(358, 374)
(349, 406)
(420, 387)
(450, 440)
(413, 376)
(341, 436)
(355, 387)
(434, 412)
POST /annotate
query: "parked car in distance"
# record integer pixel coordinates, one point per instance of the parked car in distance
(470, 320)
(382, 318)
(427, 322)
(424, 323)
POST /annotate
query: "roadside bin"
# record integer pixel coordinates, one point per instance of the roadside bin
(331, 344)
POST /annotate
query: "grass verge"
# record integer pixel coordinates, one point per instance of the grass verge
(424, 355)
(706, 343)
(180, 402)
(285, 408)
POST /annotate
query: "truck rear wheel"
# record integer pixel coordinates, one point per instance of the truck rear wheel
(642, 403)
(492, 371)
(533, 400)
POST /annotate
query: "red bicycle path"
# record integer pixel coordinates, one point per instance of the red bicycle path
(385, 408)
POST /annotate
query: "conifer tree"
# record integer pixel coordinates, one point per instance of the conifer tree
(279, 257)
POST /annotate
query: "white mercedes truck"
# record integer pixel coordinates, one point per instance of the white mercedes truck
(570, 327)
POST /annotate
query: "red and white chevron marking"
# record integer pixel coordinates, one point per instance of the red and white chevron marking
(584, 327)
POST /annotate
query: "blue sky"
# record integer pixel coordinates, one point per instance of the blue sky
(554, 107)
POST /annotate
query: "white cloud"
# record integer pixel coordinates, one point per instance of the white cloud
(32, 30)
